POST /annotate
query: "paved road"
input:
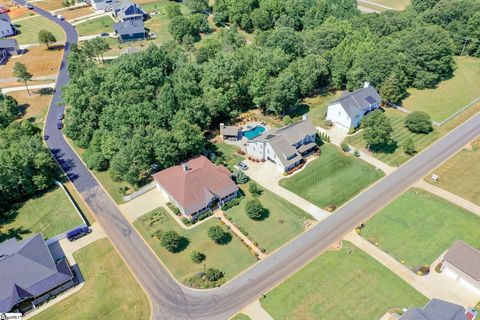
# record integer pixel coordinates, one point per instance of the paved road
(170, 300)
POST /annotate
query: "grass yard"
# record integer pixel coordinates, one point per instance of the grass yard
(95, 26)
(418, 227)
(229, 153)
(460, 175)
(395, 4)
(332, 179)
(450, 95)
(39, 61)
(317, 106)
(231, 258)
(49, 213)
(50, 5)
(394, 155)
(30, 27)
(283, 222)
(241, 316)
(34, 106)
(76, 12)
(110, 291)
(345, 284)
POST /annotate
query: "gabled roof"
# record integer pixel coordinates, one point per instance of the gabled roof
(27, 270)
(9, 43)
(5, 17)
(436, 309)
(229, 131)
(195, 187)
(127, 27)
(465, 258)
(358, 101)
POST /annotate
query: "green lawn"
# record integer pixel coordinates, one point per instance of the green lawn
(231, 258)
(30, 27)
(332, 179)
(450, 95)
(418, 227)
(95, 26)
(50, 213)
(229, 153)
(284, 221)
(460, 175)
(110, 291)
(394, 155)
(241, 316)
(159, 23)
(346, 284)
(395, 4)
(317, 106)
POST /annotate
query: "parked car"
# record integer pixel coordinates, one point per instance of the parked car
(61, 17)
(104, 34)
(61, 116)
(242, 165)
(59, 125)
(28, 6)
(78, 233)
(53, 14)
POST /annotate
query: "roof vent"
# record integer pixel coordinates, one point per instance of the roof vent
(366, 84)
(185, 167)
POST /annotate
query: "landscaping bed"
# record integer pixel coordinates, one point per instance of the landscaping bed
(347, 284)
(332, 179)
(418, 227)
(110, 291)
(231, 258)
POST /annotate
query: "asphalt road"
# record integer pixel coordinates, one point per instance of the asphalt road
(171, 300)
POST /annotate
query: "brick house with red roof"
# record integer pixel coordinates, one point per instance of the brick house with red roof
(196, 186)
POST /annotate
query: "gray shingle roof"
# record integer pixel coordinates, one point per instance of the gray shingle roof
(230, 131)
(465, 258)
(358, 101)
(5, 17)
(27, 270)
(129, 27)
(436, 309)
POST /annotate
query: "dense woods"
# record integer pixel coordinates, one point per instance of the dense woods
(148, 111)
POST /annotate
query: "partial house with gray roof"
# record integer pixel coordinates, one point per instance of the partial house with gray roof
(6, 27)
(8, 47)
(462, 263)
(437, 309)
(348, 111)
(130, 30)
(285, 147)
(29, 275)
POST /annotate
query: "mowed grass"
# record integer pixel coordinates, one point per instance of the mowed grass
(30, 27)
(50, 213)
(241, 316)
(450, 95)
(110, 291)
(394, 4)
(333, 178)
(283, 222)
(345, 284)
(394, 155)
(158, 23)
(229, 154)
(95, 26)
(418, 227)
(461, 175)
(231, 258)
(317, 107)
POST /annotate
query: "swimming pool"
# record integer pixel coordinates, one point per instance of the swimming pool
(254, 132)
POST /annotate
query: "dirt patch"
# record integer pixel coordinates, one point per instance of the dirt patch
(35, 105)
(15, 11)
(75, 13)
(39, 61)
(50, 5)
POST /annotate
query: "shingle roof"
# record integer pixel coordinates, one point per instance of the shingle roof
(229, 131)
(436, 309)
(194, 188)
(27, 270)
(129, 27)
(358, 101)
(5, 17)
(465, 258)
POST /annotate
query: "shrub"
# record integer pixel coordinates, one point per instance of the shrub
(328, 123)
(197, 257)
(254, 209)
(351, 131)
(419, 122)
(231, 203)
(158, 234)
(245, 233)
(217, 234)
(409, 147)
(287, 120)
(171, 241)
(240, 177)
(357, 153)
(344, 146)
(185, 221)
(255, 189)
(213, 274)
(204, 215)
(174, 209)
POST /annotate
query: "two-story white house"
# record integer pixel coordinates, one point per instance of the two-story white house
(285, 147)
(348, 111)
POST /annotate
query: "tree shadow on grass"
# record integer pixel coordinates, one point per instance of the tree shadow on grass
(387, 148)
(184, 242)
(265, 214)
(226, 239)
(13, 233)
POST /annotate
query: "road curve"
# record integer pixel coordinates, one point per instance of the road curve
(170, 300)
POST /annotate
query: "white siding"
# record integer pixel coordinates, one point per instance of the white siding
(339, 117)
(255, 149)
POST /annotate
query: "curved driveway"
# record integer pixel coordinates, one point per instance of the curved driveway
(170, 300)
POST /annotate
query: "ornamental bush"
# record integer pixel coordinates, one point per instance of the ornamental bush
(171, 241)
(197, 257)
(254, 209)
(419, 122)
(217, 234)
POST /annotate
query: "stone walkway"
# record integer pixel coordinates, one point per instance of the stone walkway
(434, 285)
(256, 312)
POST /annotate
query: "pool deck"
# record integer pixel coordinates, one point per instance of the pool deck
(242, 144)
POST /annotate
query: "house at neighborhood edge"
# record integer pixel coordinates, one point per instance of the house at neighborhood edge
(196, 186)
(285, 147)
(6, 27)
(348, 111)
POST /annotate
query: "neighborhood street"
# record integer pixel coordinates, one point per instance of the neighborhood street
(170, 299)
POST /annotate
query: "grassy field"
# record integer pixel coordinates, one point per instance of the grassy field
(394, 155)
(316, 107)
(49, 213)
(347, 284)
(76, 12)
(110, 291)
(95, 26)
(229, 153)
(34, 106)
(231, 258)
(283, 222)
(159, 23)
(450, 95)
(460, 175)
(241, 316)
(395, 4)
(30, 27)
(333, 178)
(50, 4)
(39, 61)
(418, 227)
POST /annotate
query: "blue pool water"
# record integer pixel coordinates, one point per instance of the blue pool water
(254, 132)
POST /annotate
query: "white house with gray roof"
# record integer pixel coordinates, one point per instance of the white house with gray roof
(462, 263)
(285, 147)
(6, 27)
(437, 309)
(348, 111)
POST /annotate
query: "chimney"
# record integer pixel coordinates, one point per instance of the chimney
(366, 84)
(185, 167)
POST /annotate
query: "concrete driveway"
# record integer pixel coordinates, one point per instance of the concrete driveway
(145, 203)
